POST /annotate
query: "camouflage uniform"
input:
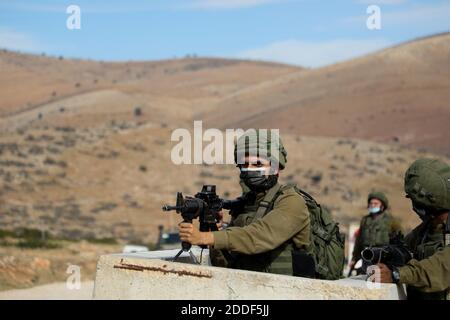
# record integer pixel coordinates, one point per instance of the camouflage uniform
(264, 243)
(427, 276)
(375, 230)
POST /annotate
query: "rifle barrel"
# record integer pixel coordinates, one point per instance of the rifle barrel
(166, 207)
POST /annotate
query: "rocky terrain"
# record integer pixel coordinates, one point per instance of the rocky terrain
(85, 145)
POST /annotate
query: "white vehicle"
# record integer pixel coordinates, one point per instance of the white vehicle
(133, 248)
(169, 240)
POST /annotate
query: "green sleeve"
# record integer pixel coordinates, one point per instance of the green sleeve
(411, 238)
(289, 218)
(431, 274)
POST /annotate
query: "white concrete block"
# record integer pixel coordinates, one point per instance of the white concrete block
(202, 256)
(149, 276)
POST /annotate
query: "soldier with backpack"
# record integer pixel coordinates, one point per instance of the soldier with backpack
(280, 229)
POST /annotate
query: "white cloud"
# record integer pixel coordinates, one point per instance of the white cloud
(388, 2)
(91, 7)
(140, 5)
(11, 39)
(32, 7)
(412, 15)
(420, 13)
(227, 4)
(314, 54)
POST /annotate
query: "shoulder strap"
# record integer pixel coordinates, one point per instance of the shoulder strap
(364, 220)
(446, 243)
(424, 232)
(304, 194)
(266, 204)
(447, 231)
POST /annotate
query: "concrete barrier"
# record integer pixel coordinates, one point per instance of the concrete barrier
(151, 276)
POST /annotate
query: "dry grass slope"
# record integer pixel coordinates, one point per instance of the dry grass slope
(85, 146)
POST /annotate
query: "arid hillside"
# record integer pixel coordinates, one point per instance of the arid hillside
(85, 146)
(400, 95)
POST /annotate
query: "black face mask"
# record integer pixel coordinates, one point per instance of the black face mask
(424, 212)
(257, 181)
(420, 210)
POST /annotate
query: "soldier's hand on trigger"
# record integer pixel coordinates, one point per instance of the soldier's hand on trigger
(219, 223)
(382, 275)
(190, 233)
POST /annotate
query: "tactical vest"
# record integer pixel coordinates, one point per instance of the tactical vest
(425, 245)
(277, 261)
(376, 231)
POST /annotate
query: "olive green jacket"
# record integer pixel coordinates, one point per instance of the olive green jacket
(429, 271)
(287, 221)
(375, 231)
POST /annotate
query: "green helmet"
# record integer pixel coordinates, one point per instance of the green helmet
(380, 196)
(427, 182)
(262, 143)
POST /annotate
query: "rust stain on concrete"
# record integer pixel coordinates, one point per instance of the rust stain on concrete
(134, 267)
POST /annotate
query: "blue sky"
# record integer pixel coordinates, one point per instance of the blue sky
(310, 33)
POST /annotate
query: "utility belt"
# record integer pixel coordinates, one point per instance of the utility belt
(301, 263)
(447, 243)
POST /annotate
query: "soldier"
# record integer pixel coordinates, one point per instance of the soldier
(427, 275)
(376, 228)
(263, 235)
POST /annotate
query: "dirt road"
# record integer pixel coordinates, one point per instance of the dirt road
(54, 291)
